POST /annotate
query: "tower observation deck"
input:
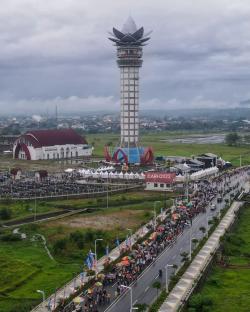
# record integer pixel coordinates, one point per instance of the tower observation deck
(129, 42)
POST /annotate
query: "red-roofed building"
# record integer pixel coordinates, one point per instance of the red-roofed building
(51, 144)
(159, 181)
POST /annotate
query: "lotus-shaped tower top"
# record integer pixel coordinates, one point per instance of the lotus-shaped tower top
(130, 35)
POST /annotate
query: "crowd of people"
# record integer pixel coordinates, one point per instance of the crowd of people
(52, 186)
(164, 234)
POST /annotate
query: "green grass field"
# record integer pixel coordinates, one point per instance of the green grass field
(229, 287)
(26, 267)
(21, 209)
(156, 141)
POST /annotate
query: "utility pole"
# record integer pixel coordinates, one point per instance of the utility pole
(35, 210)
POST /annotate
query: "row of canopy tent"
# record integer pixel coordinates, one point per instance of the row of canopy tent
(204, 173)
(87, 173)
(198, 174)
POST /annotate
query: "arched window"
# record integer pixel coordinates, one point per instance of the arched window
(62, 152)
(67, 152)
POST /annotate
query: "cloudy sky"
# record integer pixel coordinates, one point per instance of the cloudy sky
(57, 52)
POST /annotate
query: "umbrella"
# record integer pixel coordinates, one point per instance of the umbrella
(98, 284)
(78, 300)
(90, 291)
(153, 235)
(101, 275)
(125, 263)
(126, 258)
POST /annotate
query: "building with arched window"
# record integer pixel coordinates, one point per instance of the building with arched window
(51, 144)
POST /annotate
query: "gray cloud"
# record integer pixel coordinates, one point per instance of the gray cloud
(58, 50)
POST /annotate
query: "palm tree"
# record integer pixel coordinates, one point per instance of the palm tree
(157, 286)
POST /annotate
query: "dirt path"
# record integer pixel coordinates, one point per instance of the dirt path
(121, 219)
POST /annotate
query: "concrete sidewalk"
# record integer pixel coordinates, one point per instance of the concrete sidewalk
(69, 289)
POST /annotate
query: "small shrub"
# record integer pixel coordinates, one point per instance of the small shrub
(200, 303)
(5, 213)
(89, 236)
(78, 238)
(11, 238)
(60, 246)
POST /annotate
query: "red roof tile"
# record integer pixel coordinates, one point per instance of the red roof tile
(53, 137)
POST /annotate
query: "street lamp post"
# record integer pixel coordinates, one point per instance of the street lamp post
(108, 191)
(207, 225)
(190, 245)
(35, 210)
(130, 237)
(98, 239)
(131, 296)
(155, 203)
(41, 292)
(166, 267)
(187, 177)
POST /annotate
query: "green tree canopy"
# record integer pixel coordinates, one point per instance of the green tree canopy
(232, 139)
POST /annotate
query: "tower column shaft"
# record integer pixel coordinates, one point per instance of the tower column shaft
(129, 106)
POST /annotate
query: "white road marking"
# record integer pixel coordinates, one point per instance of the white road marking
(146, 289)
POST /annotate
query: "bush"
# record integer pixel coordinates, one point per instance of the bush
(78, 238)
(234, 240)
(200, 303)
(5, 213)
(11, 237)
(60, 246)
(214, 281)
(124, 198)
(159, 301)
(89, 236)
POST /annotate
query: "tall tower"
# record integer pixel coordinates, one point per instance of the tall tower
(129, 42)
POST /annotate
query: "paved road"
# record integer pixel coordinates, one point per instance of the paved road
(142, 291)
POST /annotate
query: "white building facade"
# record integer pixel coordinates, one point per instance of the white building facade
(159, 181)
(51, 144)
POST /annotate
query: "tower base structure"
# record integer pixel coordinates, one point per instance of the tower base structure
(130, 155)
